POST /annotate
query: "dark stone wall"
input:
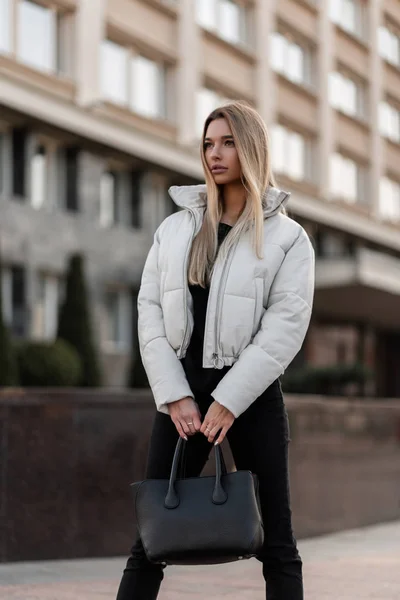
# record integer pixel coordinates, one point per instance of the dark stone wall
(67, 459)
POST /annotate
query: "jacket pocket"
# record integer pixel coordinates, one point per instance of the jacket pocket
(258, 305)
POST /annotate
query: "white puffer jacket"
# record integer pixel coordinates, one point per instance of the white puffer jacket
(258, 309)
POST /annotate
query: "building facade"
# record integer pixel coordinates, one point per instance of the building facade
(101, 107)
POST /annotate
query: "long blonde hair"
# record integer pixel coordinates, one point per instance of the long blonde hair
(252, 143)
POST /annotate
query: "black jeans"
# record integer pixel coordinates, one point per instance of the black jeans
(259, 442)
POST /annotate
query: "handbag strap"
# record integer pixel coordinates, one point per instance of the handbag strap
(219, 495)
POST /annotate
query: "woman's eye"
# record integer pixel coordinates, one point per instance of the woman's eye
(229, 143)
(206, 145)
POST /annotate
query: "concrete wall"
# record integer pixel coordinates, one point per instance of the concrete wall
(68, 458)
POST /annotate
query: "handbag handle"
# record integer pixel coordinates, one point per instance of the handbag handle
(219, 495)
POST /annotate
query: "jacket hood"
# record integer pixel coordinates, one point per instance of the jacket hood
(195, 196)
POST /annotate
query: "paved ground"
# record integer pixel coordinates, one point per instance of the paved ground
(354, 565)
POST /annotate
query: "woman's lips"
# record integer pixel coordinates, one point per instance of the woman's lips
(218, 169)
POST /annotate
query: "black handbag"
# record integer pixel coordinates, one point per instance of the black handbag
(199, 520)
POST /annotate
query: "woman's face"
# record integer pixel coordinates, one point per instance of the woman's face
(220, 153)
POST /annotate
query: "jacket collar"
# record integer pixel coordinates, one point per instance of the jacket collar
(195, 196)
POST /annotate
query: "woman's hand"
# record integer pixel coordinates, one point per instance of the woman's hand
(217, 418)
(185, 415)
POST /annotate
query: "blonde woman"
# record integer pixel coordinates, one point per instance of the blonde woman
(224, 305)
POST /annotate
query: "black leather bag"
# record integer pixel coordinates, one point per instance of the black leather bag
(199, 520)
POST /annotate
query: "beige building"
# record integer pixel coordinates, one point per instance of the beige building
(101, 104)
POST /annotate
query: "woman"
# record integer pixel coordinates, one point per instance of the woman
(224, 306)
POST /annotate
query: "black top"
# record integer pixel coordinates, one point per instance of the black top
(200, 379)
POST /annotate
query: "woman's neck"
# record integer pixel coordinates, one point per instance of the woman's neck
(233, 201)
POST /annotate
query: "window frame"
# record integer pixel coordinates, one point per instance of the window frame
(307, 149)
(361, 30)
(245, 22)
(63, 59)
(291, 38)
(164, 67)
(360, 89)
(123, 344)
(387, 180)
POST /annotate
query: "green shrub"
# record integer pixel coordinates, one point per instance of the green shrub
(75, 325)
(54, 364)
(328, 380)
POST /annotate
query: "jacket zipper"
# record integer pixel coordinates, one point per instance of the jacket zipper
(186, 285)
(216, 358)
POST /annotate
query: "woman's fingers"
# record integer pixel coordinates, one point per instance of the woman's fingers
(180, 429)
(222, 435)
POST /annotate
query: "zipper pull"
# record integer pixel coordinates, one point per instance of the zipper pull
(217, 361)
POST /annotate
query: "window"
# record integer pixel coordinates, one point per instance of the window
(389, 45)
(19, 143)
(345, 94)
(290, 59)
(5, 25)
(114, 72)
(46, 307)
(133, 80)
(44, 37)
(147, 87)
(348, 14)
(389, 121)
(14, 299)
(39, 174)
(289, 153)
(108, 199)
(118, 310)
(136, 198)
(345, 178)
(72, 179)
(389, 201)
(117, 199)
(226, 18)
(207, 100)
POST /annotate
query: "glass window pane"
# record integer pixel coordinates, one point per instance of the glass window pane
(206, 13)
(297, 157)
(336, 175)
(348, 19)
(146, 87)
(335, 10)
(383, 41)
(107, 199)
(38, 177)
(279, 148)
(295, 63)
(350, 179)
(229, 21)
(114, 72)
(5, 25)
(278, 50)
(36, 36)
(334, 89)
(350, 97)
(206, 101)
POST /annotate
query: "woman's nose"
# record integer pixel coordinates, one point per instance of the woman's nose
(215, 152)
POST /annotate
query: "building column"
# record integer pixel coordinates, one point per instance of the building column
(90, 31)
(376, 96)
(265, 85)
(326, 63)
(188, 73)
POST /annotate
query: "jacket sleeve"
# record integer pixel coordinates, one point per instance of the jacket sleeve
(163, 368)
(281, 334)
